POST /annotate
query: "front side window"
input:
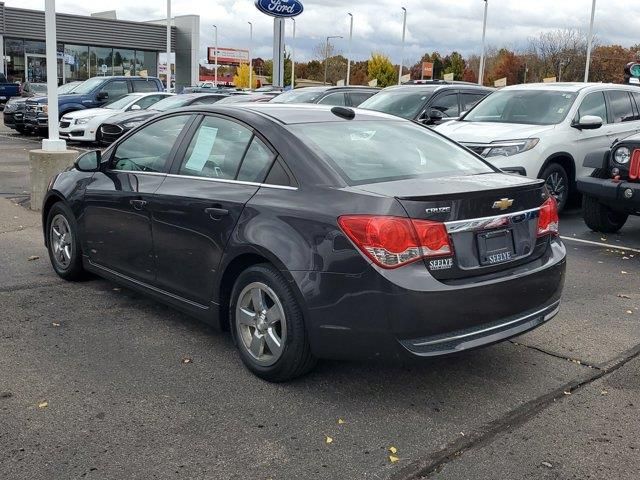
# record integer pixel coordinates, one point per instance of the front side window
(148, 149)
(379, 151)
(358, 97)
(621, 107)
(334, 99)
(527, 107)
(147, 101)
(448, 105)
(216, 149)
(593, 104)
(116, 89)
(470, 100)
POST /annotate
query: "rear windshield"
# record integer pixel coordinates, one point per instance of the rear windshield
(403, 103)
(382, 150)
(530, 107)
(170, 103)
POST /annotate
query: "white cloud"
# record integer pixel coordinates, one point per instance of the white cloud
(442, 25)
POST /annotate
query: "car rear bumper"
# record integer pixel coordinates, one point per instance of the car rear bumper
(623, 196)
(382, 315)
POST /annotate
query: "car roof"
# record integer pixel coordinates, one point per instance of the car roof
(574, 87)
(290, 114)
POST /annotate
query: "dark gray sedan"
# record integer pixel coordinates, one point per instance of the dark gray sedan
(312, 232)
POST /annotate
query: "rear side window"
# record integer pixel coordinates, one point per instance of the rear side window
(216, 149)
(636, 97)
(144, 86)
(593, 104)
(256, 162)
(358, 97)
(378, 151)
(146, 102)
(116, 89)
(448, 105)
(621, 107)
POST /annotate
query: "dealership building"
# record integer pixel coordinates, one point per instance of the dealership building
(96, 45)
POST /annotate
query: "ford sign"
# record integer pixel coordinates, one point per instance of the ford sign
(280, 8)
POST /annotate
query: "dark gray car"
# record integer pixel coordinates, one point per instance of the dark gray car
(312, 232)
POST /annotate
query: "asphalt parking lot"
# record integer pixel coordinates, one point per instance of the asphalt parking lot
(99, 382)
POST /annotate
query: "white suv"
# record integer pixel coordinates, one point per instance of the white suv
(546, 130)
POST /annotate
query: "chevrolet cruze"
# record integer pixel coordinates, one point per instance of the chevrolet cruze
(312, 232)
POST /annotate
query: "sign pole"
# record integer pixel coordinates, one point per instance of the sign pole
(215, 56)
(590, 44)
(484, 34)
(404, 32)
(168, 45)
(278, 52)
(250, 58)
(350, 50)
(293, 56)
(53, 143)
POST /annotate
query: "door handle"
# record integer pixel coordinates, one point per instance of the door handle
(216, 213)
(138, 204)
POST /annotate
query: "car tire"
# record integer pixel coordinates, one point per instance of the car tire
(600, 217)
(63, 243)
(557, 181)
(268, 326)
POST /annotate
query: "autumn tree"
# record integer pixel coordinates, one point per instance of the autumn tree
(359, 73)
(241, 78)
(608, 62)
(508, 65)
(381, 68)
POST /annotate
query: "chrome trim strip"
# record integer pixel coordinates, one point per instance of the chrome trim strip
(209, 179)
(473, 224)
(147, 286)
(548, 316)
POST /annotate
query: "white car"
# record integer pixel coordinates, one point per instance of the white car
(546, 130)
(84, 125)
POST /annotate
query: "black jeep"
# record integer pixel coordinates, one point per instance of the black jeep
(612, 192)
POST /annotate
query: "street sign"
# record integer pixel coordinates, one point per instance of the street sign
(449, 77)
(280, 8)
(228, 56)
(427, 69)
(104, 69)
(405, 78)
(373, 83)
(549, 80)
(501, 82)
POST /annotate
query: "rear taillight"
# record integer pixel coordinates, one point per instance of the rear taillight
(392, 242)
(548, 221)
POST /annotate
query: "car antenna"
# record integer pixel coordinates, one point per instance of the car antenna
(344, 112)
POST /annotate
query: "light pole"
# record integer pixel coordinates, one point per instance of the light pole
(484, 35)
(326, 56)
(350, 49)
(250, 59)
(215, 56)
(404, 32)
(168, 45)
(293, 56)
(53, 143)
(589, 45)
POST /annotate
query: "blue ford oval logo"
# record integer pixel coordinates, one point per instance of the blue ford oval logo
(280, 8)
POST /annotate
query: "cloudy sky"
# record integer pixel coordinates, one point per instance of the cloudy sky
(442, 25)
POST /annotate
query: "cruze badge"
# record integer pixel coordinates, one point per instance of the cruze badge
(439, 210)
(502, 204)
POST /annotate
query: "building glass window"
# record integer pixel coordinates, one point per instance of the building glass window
(146, 62)
(14, 52)
(123, 62)
(76, 62)
(101, 61)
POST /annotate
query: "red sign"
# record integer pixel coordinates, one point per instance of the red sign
(228, 56)
(427, 69)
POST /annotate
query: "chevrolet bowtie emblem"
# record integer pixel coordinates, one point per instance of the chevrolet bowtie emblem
(503, 204)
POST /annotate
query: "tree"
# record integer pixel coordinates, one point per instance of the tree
(241, 78)
(381, 68)
(508, 65)
(561, 53)
(359, 73)
(455, 64)
(608, 62)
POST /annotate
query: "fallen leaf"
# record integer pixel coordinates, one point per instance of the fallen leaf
(340, 421)
(604, 392)
(567, 393)
(55, 324)
(43, 404)
(33, 257)
(630, 312)
(622, 295)
(393, 459)
(624, 273)
(328, 440)
(604, 239)
(393, 450)
(116, 289)
(187, 360)
(547, 464)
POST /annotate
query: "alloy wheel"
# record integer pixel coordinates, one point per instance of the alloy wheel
(557, 186)
(61, 241)
(261, 323)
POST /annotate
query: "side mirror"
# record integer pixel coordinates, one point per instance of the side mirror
(135, 107)
(588, 122)
(102, 96)
(89, 162)
(435, 115)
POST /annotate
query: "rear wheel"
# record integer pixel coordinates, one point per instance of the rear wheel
(557, 181)
(268, 325)
(63, 243)
(600, 217)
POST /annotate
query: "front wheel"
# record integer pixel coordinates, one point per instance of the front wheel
(268, 325)
(557, 181)
(63, 243)
(601, 218)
